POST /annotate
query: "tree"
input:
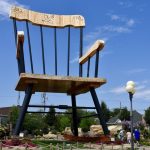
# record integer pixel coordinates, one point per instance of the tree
(105, 110)
(86, 123)
(115, 112)
(34, 123)
(147, 115)
(14, 113)
(62, 122)
(50, 118)
(124, 114)
(80, 112)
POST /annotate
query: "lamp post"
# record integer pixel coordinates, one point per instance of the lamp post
(130, 88)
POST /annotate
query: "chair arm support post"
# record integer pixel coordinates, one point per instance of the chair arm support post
(81, 51)
(96, 64)
(20, 52)
(88, 67)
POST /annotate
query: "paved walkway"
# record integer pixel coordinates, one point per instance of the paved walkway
(115, 147)
(92, 147)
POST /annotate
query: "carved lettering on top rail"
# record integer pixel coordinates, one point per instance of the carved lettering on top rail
(48, 18)
(18, 10)
(77, 19)
(19, 13)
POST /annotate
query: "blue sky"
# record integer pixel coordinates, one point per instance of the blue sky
(123, 24)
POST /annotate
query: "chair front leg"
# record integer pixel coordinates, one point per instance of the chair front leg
(99, 111)
(28, 94)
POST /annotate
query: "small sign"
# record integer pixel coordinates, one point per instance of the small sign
(112, 139)
(21, 135)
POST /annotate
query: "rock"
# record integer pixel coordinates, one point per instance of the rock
(69, 132)
(95, 130)
(50, 136)
(114, 128)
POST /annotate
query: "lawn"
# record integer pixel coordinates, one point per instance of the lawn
(45, 144)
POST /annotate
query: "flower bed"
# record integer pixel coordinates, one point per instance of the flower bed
(17, 142)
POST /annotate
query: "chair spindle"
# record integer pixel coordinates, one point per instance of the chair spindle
(42, 44)
(81, 51)
(68, 62)
(15, 30)
(55, 45)
(29, 44)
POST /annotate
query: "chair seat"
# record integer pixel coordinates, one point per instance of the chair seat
(58, 84)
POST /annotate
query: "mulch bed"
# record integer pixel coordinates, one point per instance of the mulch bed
(98, 139)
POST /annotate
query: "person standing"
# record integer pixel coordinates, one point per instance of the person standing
(121, 134)
(128, 134)
(137, 136)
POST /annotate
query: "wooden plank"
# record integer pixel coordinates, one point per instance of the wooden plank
(98, 45)
(58, 84)
(50, 20)
(83, 86)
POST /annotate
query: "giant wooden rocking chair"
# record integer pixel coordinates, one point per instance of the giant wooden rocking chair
(72, 86)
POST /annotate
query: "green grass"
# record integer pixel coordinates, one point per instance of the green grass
(46, 144)
(145, 142)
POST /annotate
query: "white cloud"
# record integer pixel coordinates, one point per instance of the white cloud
(138, 70)
(145, 82)
(143, 94)
(105, 32)
(120, 29)
(104, 53)
(116, 29)
(126, 4)
(5, 6)
(140, 87)
(130, 22)
(118, 90)
(115, 17)
(74, 60)
(143, 90)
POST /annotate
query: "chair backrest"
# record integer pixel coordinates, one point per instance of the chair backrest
(43, 21)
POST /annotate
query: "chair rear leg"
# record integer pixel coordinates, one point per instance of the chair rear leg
(99, 111)
(28, 94)
(74, 115)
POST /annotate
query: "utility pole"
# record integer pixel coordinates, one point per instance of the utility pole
(44, 98)
(120, 107)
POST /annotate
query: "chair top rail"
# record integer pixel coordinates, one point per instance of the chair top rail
(49, 20)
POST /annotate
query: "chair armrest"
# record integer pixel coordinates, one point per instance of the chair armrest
(97, 46)
(20, 39)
